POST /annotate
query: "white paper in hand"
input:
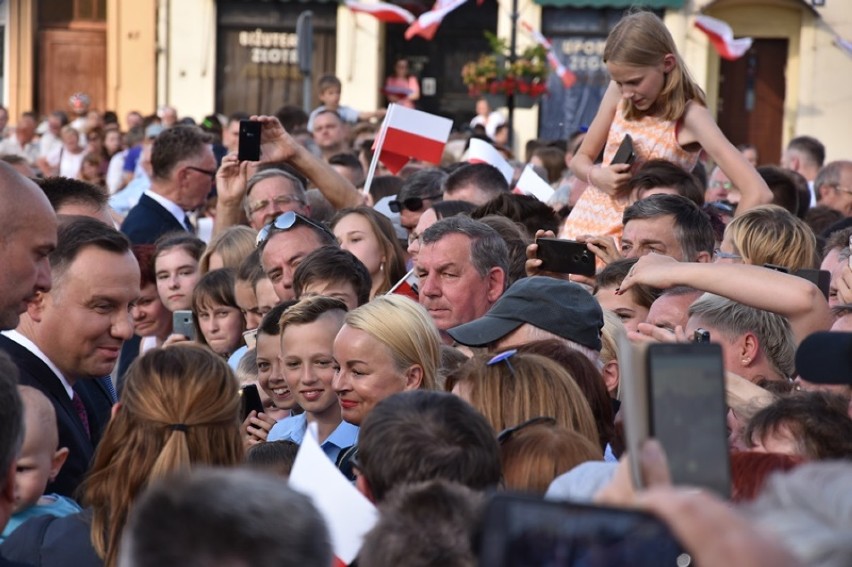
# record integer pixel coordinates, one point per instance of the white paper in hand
(531, 183)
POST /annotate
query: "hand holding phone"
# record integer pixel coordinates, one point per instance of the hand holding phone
(625, 153)
(249, 145)
(565, 257)
(250, 400)
(183, 323)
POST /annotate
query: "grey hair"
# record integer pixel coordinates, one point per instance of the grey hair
(692, 226)
(830, 173)
(487, 249)
(733, 319)
(808, 509)
(225, 517)
(298, 186)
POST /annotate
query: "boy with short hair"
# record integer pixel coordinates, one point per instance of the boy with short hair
(39, 461)
(333, 272)
(329, 88)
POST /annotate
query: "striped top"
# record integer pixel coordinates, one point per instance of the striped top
(653, 138)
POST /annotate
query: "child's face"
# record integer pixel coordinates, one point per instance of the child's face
(269, 371)
(308, 365)
(330, 97)
(222, 327)
(639, 84)
(36, 464)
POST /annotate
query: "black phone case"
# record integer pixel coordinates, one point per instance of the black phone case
(249, 148)
(250, 400)
(625, 153)
(565, 257)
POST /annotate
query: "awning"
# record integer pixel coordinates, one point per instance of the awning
(657, 4)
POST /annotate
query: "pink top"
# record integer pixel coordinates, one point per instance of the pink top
(394, 85)
(653, 138)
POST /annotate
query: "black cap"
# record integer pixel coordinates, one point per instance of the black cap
(560, 307)
(825, 358)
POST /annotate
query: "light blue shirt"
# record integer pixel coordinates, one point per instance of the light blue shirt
(293, 429)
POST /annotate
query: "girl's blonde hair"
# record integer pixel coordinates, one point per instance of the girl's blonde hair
(406, 329)
(769, 234)
(179, 409)
(525, 386)
(233, 244)
(641, 39)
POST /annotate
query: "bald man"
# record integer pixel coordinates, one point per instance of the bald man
(27, 236)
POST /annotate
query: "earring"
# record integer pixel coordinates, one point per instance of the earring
(382, 267)
(746, 361)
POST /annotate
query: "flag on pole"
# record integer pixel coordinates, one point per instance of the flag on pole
(410, 133)
(564, 73)
(531, 183)
(382, 11)
(407, 286)
(722, 37)
(347, 513)
(427, 24)
(844, 44)
(481, 151)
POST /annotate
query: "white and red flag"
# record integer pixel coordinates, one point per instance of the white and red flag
(408, 286)
(481, 151)
(531, 183)
(382, 11)
(564, 73)
(411, 134)
(347, 513)
(427, 24)
(722, 37)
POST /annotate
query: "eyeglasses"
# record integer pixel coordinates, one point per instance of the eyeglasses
(726, 185)
(207, 172)
(504, 357)
(719, 255)
(506, 434)
(843, 189)
(281, 200)
(413, 204)
(286, 221)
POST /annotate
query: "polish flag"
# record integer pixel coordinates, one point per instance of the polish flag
(347, 513)
(564, 73)
(722, 37)
(531, 183)
(409, 133)
(407, 286)
(382, 11)
(427, 24)
(481, 151)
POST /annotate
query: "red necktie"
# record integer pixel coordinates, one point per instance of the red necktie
(81, 413)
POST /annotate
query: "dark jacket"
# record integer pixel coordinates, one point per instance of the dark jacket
(96, 398)
(48, 541)
(148, 221)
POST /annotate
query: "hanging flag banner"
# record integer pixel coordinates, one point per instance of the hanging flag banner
(564, 73)
(382, 11)
(427, 24)
(722, 37)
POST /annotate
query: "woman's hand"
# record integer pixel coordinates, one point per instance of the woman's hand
(256, 428)
(610, 178)
(653, 270)
(176, 339)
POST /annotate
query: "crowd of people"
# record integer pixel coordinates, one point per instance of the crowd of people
(412, 327)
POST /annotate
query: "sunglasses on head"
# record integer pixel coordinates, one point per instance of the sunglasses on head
(507, 433)
(286, 221)
(413, 204)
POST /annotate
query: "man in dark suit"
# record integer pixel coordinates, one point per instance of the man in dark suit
(71, 336)
(182, 172)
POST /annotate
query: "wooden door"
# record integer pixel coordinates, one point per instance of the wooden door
(751, 98)
(71, 61)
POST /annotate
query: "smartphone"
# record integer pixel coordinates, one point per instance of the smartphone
(625, 153)
(249, 148)
(250, 400)
(183, 323)
(701, 336)
(686, 412)
(565, 257)
(820, 278)
(526, 531)
(250, 338)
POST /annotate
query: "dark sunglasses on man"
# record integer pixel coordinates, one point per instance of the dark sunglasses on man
(413, 204)
(286, 221)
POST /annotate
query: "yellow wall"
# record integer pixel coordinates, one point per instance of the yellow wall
(20, 80)
(359, 59)
(131, 56)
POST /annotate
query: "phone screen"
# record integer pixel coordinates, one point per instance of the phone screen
(523, 531)
(687, 408)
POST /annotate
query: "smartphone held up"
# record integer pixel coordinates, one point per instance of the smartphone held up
(249, 143)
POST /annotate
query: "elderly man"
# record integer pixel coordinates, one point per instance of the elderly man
(283, 245)
(538, 308)
(27, 236)
(71, 336)
(833, 186)
(22, 142)
(462, 266)
(182, 172)
(805, 155)
(261, 196)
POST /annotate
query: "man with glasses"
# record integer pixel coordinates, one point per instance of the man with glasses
(182, 172)
(418, 193)
(833, 186)
(284, 243)
(271, 192)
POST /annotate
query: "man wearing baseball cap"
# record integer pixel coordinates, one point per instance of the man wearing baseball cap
(537, 308)
(824, 362)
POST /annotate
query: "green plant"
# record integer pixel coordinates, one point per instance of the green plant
(495, 73)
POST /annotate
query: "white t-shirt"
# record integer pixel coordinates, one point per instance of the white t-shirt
(69, 164)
